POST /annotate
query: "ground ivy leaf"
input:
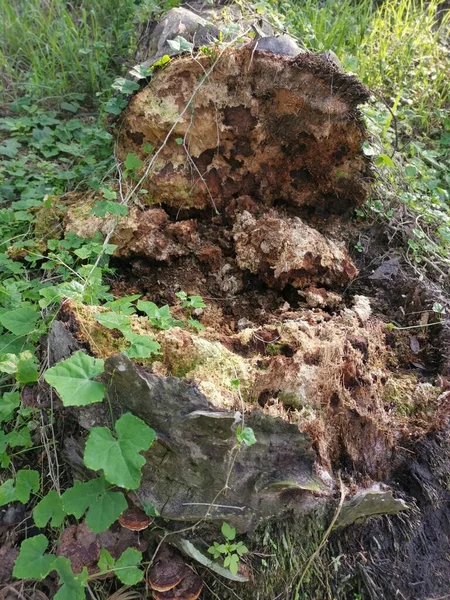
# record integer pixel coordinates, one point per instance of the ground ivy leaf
(7, 492)
(132, 162)
(125, 568)
(8, 404)
(20, 438)
(32, 563)
(104, 507)
(72, 380)
(106, 561)
(73, 586)
(119, 457)
(20, 321)
(49, 509)
(27, 481)
(114, 320)
(142, 346)
(27, 370)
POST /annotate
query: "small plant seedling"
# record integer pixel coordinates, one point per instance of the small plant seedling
(245, 436)
(230, 551)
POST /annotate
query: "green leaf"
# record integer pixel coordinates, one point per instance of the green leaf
(233, 564)
(384, 159)
(142, 346)
(10, 148)
(125, 567)
(73, 586)
(32, 563)
(72, 380)
(149, 308)
(106, 561)
(241, 549)
(196, 324)
(103, 207)
(27, 370)
(104, 507)
(179, 141)
(147, 148)
(180, 44)
(27, 481)
(114, 320)
(123, 305)
(162, 61)
(119, 457)
(19, 438)
(8, 404)
(20, 321)
(410, 170)
(8, 363)
(49, 509)
(125, 86)
(247, 435)
(7, 492)
(132, 162)
(108, 193)
(70, 107)
(228, 532)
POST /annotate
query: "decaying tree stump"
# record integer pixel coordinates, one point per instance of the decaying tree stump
(252, 163)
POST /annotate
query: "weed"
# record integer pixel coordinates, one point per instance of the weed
(230, 551)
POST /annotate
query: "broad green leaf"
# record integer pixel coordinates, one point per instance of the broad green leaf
(20, 321)
(19, 438)
(104, 207)
(126, 569)
(27, 370)
(384, 159)
(410, 170)
(73, 586)
(142, 346)
(123, 305)
(104, 507)
(108, 193)
(196, 324)
(71, 378)
(27, 481)
(49, 509)
(132, 162)
(106, 561)
(119, 458)
(162, 61)
(180, 44)
(10, 147)
(149, 308)
(13, 344)
(125, 86)
(246, 435)
(8, 363)
(8, 404)
(228, 532)
(114, 320)
(32, 563)
(7, 492)
(141, 71)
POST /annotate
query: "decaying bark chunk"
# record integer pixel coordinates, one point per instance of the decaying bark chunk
(287, 251)
(262, 124)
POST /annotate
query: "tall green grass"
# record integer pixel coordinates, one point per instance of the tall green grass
(396, 46)
(53, 48)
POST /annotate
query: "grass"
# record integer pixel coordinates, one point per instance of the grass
(53, 49)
